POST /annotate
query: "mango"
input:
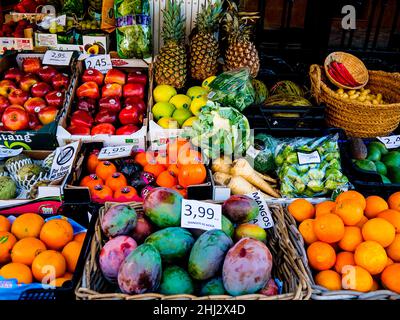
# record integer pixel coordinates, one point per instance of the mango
(163, 207)
(142, 230)
(240, 209)
(208, 253)
(253, 231)
(226, 224)
(270, 289)
(247, 267)
(212, 287)
(172, 243)
(113, 254)
(119, 220)
(380, 146)
(374, 153)
(176, 280)
(381, 168)
(141, 270)
(366, 165)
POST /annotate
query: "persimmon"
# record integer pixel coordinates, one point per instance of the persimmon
(116, 181)
(144, 158)
(101, 192)
(181, 190)
(191, 174)
(174, 147)
(189, 156)
(125, 194)
(92, 161)
(105, 169)
(90, 181)
(173, 169)
(155, 169)
(166, 179)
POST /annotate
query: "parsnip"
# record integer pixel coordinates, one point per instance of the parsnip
(221, 179)
(222, 164)
(266, 177)
(240, 185)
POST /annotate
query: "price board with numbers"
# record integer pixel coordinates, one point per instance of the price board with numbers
(201, 215)
(391, 142)
(101, 62)
(116, 152)
(57, 58)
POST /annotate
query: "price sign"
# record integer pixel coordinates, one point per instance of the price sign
(57, 58)
(99, 62)
(264, 218)
(201, 215)
(391, 142)
(108, 153)
(308, 158)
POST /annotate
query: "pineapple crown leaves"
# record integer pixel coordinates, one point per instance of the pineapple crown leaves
(209, 17)
(173, 29)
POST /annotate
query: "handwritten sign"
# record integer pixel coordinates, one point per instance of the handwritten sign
(201, 215)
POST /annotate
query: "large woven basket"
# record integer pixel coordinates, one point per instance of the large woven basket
(321, 293)
(288, 267)
(356, 118)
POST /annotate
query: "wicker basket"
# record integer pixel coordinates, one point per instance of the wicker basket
(321, 293)
(354, 65)
(356, 118)
(288, 267)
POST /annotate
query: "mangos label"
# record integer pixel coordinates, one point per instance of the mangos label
(264, 219)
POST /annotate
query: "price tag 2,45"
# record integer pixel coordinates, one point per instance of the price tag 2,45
(391, 142)
(101, 62)
(201, 215)
(57, 58)
(108, 153)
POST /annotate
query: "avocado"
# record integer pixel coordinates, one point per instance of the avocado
(366, 165)
(381, 168)
(392, 159)
(8, 188)
(374, 153)
(358, 148)
(382, 148)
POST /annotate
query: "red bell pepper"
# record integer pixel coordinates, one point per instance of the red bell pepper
(81, 118)
(137, 77)
(133, 90)
(103, 128)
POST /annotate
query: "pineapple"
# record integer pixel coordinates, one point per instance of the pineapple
(241, 52)
(171, 62)
(204, 48)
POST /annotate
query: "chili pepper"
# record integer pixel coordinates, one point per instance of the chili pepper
(338, 71)
(337, 77)
(347, 74)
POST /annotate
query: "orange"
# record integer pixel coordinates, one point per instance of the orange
(371, 256)
(92, 162)
(343, 259)
(350, 211)
(166, 179)
(329, 228)
(58, 282)
(353, 195)
(357, 278)
(394, 201)
(17, 271)
(389, 262)
(48, 265)
(391, 277)
(306, 229)
(192, 174)
(155, 169)
(25, 250)
(173, 169)
(393, 250)
(144, 158)
(5, 224)
(68, 275)
(71, 254)
(56, 233)
(393, 217)
(375, 205)
(321, 256)
(7, 241)
(27, 225)
(329, 279)
(375, 285)
(301, 210)
(351, 239)
(363, 220)
(324, 207)
(80, 237)
(379, 230)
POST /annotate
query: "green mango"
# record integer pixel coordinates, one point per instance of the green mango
(366, 165)
(394, 174)
(382, 148)
(381, 168)
(227, 226)
(392, 159)
(212, 287)
(385, 179)
(176, 280)
(374, 153)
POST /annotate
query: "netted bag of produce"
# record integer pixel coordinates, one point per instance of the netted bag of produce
(73, 8)
(233, 89)
(309, 167)
(133, 28)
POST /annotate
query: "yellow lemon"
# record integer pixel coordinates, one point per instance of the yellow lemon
(163, 109)
(206, 82)
(181, 101)
(181, 115)
(196, 92)
(168, 123)
(189, 122)
(163, 93)
(197, 104)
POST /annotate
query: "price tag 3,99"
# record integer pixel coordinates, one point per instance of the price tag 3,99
(391, 142)
(57, 58)
(201, 215)
(264, 219)
(101, 62)
(108, 153)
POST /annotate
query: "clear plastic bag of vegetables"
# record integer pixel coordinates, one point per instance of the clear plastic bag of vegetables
(233, 89)
(309, 167)
(133, 28)
(261, 153)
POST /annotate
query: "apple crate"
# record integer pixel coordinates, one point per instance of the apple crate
(138, 138)
(45, 137)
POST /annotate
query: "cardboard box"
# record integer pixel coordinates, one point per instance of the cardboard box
(138, 139)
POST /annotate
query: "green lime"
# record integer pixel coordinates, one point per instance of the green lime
(163, 109)
(181, 101)
(181, 115)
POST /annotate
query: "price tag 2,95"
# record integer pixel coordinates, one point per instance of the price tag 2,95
(391, 142)
(101, 62)
(57, 58)
(201, 215)
(108, 153)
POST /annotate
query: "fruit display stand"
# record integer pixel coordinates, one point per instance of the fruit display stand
(288, 267)
(138, 138)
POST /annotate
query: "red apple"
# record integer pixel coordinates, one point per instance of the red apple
(87, 104)
(133, 90)
(135, 102)
(35, 105)
(47, 115)
(111, 90)
(105, 116)
(81, 118)
(4, 103)
(31, 65)
(13, 74)
(18, 96)
(93, 75)
(60, 81)
(6, 86)
(103, 128)
(89, 90)
(15, 118)
(33, 121)
(27, 82)
(110, 103)
(47, 73)
(130, 115)
(115, 76)
(40, 89)
(54, 98)
(78, 130)
(127, 129)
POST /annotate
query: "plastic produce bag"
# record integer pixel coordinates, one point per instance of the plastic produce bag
(233, 89)
(73, 8)
(261, 153)
(309, 167)
(133, 28)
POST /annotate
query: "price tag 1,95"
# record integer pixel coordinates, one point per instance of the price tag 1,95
(108, 153)
(101, 62)
(57, 58)
(391, 142)
(201, 215)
